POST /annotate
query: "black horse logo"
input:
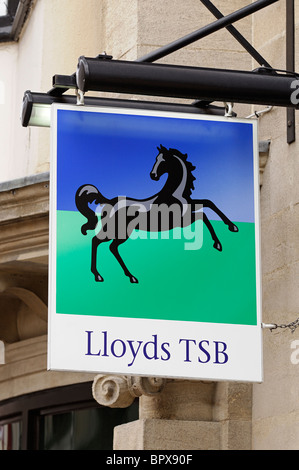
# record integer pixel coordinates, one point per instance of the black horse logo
(121, 215)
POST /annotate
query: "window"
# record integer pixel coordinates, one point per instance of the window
(10, 434)
(86, 429)
(65, 418)
(13, 14)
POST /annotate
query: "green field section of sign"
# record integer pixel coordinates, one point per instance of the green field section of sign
(175, 283)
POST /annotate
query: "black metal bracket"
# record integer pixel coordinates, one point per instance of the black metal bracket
(62, 83)
(290, 64)
(222, 22)
(95, 74)
(290, 53)
(237, 35)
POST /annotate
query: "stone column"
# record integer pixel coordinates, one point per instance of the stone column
(173, 414)
(190, 415)
(178, 418)
(179, 414)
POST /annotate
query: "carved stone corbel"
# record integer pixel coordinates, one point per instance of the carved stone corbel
(119, 391)
(148, 386)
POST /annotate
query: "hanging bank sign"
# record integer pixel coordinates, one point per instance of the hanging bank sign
(154, 260)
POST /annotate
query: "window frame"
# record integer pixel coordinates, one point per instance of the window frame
(12, 23)
(12, 420)
(29, 408)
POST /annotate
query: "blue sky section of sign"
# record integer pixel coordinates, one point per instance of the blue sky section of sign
(116, 152)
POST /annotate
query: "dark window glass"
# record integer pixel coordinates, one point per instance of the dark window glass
(87, 429)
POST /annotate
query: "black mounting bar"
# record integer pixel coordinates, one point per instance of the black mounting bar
(31, 99)
(263, 86)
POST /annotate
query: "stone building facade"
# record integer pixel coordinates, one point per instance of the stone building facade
(172, 414)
